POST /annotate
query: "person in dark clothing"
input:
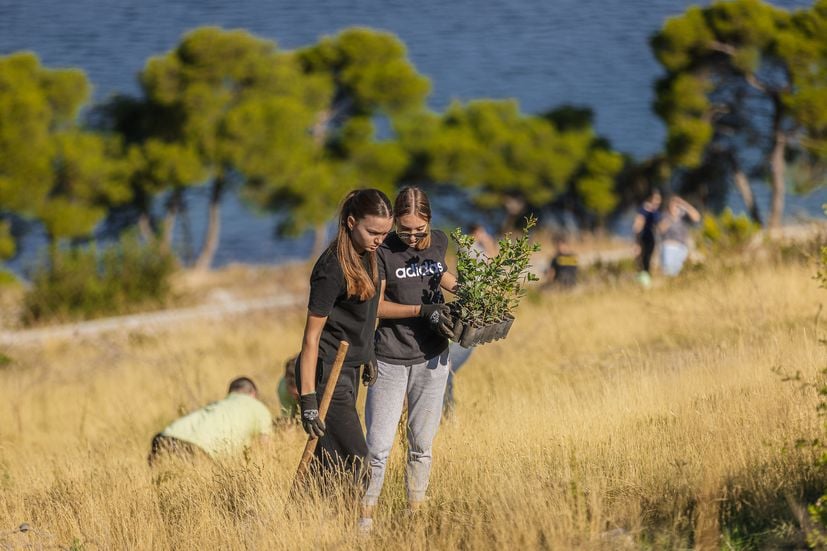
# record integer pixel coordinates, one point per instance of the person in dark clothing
(645, 229)
(562, 270)
(344, 296)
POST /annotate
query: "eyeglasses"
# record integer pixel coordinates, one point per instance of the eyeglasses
(409, 235)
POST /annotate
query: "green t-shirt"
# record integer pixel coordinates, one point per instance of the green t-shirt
(289, 405)
(224, 427)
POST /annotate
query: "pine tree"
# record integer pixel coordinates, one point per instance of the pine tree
(743, 80)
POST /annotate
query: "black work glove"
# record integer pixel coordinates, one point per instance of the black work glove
(311, 423)
(439, 318)
(371, 371)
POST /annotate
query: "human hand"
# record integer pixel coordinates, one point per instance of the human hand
(370, 371)
(311, 422)
(439, 319)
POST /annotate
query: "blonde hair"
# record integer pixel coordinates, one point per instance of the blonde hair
(359, 203)
(412, 200)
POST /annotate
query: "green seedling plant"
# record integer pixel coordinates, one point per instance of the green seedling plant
(490, 288)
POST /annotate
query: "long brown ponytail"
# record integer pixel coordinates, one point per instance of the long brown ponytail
(412, 200)
(358, 204)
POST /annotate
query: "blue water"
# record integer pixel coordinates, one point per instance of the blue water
(542, 52)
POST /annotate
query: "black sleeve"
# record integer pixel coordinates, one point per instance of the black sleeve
(325, 285)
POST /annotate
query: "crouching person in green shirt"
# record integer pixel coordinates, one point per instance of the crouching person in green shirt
(220, 429)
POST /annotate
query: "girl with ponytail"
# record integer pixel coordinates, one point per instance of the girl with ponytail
(344, 297)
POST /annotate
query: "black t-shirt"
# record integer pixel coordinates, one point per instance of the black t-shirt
(348, 318)
(565, 269)
(651, 218)
(412, 277)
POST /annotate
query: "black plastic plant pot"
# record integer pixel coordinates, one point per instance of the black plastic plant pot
(470, 336)
(499, 330)
(458, 329)
(509, 321)
(483, 333)
(489, 333)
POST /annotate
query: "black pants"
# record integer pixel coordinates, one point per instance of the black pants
(167, 446)
(342, 449)
(647, 248)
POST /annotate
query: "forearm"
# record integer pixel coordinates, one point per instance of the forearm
(307, 363)
(693, 213)
(393, 310)
(448, 282)
(637, 225)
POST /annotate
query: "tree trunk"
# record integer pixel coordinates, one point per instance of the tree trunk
(777, 166)
(145, 227)
(320, 127)
(54, 250)
(319, 240)
(168, 227)
(210, 245)
(743, 187)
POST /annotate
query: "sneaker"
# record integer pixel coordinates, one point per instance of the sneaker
(644, 279)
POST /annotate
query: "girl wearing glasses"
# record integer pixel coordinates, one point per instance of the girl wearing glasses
(411, 347)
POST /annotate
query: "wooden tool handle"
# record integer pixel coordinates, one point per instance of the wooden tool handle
(330, 386)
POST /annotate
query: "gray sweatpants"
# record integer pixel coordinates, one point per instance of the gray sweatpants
(424, 385)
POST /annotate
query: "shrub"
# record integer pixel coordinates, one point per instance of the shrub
(81, 283)
(727, 232)
(491, 288)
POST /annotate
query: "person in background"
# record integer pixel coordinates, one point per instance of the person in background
(645, 229)
(287, 391)
(674, 233)
(222, 428)
(562, 270)
(484, 244)
(344, 297)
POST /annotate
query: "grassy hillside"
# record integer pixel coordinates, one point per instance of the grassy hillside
(609, 418)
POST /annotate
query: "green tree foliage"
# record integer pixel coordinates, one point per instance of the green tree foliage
(510, 160)
(743, 79)
(222, 95)
(804, 46)
(370, 77)
(156, 166)
(89, 176)
(595, 184)
(727, 233)
(157, 163)
(50, 168)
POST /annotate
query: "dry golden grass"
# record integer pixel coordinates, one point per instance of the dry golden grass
(611, 418)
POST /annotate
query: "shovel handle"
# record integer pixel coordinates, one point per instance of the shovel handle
(312, 441)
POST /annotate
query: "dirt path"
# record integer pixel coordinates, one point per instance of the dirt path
(149, 319)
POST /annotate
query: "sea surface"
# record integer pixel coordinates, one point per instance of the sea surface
(544, 53)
